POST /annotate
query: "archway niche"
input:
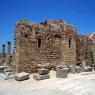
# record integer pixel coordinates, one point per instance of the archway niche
(56, 41)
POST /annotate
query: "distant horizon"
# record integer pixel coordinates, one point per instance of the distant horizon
(79, 13)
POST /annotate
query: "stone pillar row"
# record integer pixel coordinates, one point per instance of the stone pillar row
(3, 51)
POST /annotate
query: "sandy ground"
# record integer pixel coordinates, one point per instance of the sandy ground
(75, 84)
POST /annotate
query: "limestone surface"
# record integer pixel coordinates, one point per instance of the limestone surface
(75, 84)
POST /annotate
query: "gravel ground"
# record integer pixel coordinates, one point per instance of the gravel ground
(75, 84)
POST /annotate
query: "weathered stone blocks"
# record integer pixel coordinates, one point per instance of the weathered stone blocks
(42, 74)
(21, 76)
(2, 68)
(61, 72)
(78, 69)
(87, 69)
(43, 71)
(72, 69)
(41, 77)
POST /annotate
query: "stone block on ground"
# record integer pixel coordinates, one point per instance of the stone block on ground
(9, 77)
(7, 70)
(8, 73)
(78, 69)
(43, 71)
(21, 76)
(61, 72)
(87, 69)
(72, 69)
(2, 68)
(41, 77)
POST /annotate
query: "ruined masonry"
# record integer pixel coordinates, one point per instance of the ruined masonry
(51, 42)
(6, 58)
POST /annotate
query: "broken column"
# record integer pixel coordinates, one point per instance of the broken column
(3, 53)
(8, 60)
(9, 48)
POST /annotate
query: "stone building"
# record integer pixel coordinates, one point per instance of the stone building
(52, 42)
(86, 49)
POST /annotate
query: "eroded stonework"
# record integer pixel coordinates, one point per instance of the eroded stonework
(52, 42)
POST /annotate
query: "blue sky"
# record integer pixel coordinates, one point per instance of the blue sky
(80, 13)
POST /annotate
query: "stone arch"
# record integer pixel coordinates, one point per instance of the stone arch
(40, 40)
(56, 35)
(56, 41)
(70, 38)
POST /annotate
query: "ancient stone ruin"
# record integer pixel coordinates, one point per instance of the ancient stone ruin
(6, 58)
(51, 43)
(86, 49)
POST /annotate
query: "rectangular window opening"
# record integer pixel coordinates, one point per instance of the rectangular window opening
(39, 43)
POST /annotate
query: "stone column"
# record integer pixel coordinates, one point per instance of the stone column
(9, 48)
(3, 53)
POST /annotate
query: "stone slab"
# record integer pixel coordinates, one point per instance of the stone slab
(78, 69)
(61, 72)
(43, 71)
(87, 69)
(7, 73)
(41, 77)
(2, 68)
(5, 77)
(7, 69)
(72, 69)
(21, 76)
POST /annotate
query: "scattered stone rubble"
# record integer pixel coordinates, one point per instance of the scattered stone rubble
(6, 72)
(3, 68)
(61, 72)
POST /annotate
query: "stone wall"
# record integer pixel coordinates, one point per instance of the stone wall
(85, 49)
(52, 42)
